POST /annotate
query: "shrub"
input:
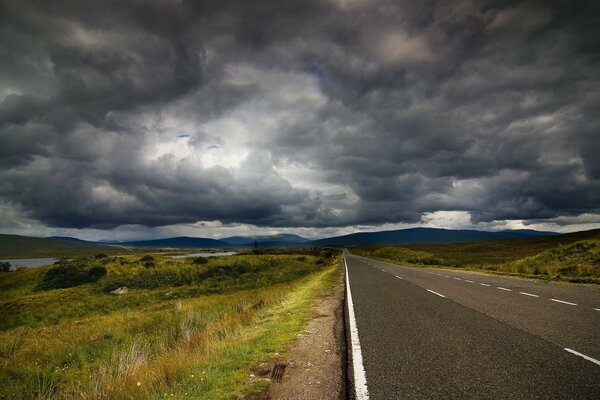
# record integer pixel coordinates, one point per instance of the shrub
(70, 273)
(4, 266)
(200, 260)
(100, 256)
(149, 264)
(301, 258)
(147, 258)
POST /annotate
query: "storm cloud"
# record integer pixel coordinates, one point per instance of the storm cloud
(298, 114)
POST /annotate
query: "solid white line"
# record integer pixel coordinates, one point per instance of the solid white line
(360, 379)
(529, 294)
(503, 288)
(441, 295)
(564, 302)
(583, 355)
(484, 284)
(399, 277)
(469, 281)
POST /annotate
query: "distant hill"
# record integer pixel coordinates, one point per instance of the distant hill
(15, 246)
(179, 242)
(281, 239)
(233, 241)
(424, 235)
(20, 246)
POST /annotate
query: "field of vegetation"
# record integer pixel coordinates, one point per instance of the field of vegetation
(184, 329)
(571, 257)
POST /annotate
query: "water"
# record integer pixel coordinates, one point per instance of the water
(222, 254)
(31, 262)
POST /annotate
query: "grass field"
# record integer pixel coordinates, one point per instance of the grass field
(186, 329)
(570, 257)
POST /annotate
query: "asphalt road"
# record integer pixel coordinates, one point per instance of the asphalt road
(437, 334)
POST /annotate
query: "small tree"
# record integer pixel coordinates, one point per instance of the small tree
(4, 266)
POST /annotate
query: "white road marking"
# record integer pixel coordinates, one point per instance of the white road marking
(447, 276)
(503, 288)
(360, 379)
(582, 355)
(529, 294)
(597, 309)
(484, 284)
(399, 277)
(564, 302)
(469, 281)
(441, 295)
(458, 279)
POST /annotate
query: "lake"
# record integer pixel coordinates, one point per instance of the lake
(31, 262)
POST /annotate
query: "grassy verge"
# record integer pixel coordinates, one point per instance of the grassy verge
(577, 262)
(189, 344)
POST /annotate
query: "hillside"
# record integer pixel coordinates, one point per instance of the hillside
(500, 251)
(574, 256)
(424, 235)
(15, 246)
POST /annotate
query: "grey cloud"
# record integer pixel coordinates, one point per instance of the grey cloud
(489, 107)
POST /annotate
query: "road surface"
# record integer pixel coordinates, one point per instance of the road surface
(427, 333)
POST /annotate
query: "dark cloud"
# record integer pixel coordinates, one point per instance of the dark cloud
(303, 113)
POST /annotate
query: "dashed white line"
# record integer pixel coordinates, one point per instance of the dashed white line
(484, 284)
(597, 309)
(503, 288)
(458, 279)
(447, 276)
(582, 355)
(436, 293)
(529, 294)
(469, 281)
(564, 302)
(399, 277)
(360, 378)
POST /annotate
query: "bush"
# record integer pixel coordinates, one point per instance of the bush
(200, 260)
(70, 273)
(149, 264)
(147, 258)
(4, 266)
(100, 256)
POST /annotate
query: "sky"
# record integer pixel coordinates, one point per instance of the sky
(141, 119)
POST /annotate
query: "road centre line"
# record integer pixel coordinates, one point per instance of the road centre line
(529, 294)
(360, 378)
(436, 293)
(503, 288)
(484, 284)
(597, 309)
(564, 302)
(447, 276)
(399, 277)
(582, 355)
(458, 279)
(469, 281)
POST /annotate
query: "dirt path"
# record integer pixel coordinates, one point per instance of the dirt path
(313, 368)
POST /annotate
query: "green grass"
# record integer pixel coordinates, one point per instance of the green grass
(176, 340)
(564, 257)
(14, 246)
